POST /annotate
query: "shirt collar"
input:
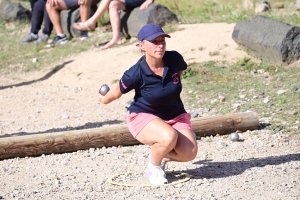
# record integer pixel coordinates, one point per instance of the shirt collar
(145, 68)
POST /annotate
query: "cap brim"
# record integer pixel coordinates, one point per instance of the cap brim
(152, 37)
(165, 35)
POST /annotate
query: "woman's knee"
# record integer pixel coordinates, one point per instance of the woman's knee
(188, 153)
(169, 138)
(113, 5)
(116, 5)
(192, 153)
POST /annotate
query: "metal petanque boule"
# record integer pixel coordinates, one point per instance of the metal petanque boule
(103, 90)
(234, 136)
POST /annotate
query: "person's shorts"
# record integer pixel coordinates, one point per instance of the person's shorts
(131, 4)
(137, 121)
(71, 4)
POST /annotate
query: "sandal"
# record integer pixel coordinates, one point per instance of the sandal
(109, 45)
(82, 26)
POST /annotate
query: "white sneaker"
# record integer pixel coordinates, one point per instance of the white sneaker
(163, 164)
(155, 175)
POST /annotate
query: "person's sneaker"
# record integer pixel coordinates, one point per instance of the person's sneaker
(42, 39)
(163, 164)
(84, 35)
(28, 38)
(155, 175)
(58, 40)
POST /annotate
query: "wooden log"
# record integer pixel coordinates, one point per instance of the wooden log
(70, 141)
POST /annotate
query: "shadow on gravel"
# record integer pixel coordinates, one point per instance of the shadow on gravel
(54, 130)
(210, 169)
(263, 126)
(48, 75)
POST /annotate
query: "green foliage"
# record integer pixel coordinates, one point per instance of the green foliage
(187, 73)
(236, 16)
(248, 65)
(104, 20)
(2, 25)
(207, 11)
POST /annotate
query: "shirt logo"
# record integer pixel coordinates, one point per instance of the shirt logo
(175, 78)
(123, 85)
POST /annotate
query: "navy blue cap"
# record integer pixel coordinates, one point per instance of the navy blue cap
(150, 32)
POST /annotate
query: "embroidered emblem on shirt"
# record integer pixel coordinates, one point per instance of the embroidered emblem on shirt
(175, 78)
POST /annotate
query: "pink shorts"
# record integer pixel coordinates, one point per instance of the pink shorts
(137, 121)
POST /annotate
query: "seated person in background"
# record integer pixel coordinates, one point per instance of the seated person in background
(55, 6)
(39, 14)
(114, 7)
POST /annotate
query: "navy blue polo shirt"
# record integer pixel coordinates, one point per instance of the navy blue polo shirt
(155, 94)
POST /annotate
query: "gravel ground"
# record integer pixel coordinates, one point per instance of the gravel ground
(262, 165)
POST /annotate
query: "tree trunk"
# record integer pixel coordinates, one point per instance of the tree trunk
(69, 141)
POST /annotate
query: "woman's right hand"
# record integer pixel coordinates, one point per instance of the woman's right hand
(111, 95)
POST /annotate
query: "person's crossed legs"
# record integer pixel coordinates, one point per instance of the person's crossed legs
(114, 7)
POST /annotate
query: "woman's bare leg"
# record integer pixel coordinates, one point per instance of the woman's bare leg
(114, 14)
(186, 147)
(167, 143)
(161, 136)
(54, 15)
(85, 10)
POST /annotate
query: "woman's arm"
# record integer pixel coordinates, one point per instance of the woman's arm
(111, 95)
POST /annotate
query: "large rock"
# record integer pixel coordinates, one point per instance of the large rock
(66, 22)
(13, 11)
(132, 22)
(268, 39)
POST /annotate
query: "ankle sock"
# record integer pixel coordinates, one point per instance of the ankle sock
(151, 165)
(62, 35)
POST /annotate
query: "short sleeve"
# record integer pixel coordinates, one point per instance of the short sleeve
(131, 77)
(181, 62)
(177, 60)
(126, 83)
